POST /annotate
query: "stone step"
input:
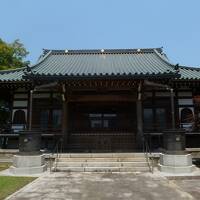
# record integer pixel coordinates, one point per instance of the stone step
(101, 155)
(6, 160)
(126, 159)
(101, 164)
(6, 156)
(102, 169)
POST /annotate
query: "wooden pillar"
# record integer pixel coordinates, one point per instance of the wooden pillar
(172, 108)
(30, 109)
(139, 138)
(64, 116)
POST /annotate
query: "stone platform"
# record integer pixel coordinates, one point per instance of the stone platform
(24, 164)
(176, 163)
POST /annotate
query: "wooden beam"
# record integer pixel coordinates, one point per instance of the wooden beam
(107, 84)
(88, 98)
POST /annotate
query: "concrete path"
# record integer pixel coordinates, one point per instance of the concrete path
(191, 186)
(103, 186)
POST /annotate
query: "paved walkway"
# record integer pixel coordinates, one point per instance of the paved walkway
(106, 186)
(191, 186)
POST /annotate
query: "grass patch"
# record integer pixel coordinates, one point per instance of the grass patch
(4, 166)
(10, 184)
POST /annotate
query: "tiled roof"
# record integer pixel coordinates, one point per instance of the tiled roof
(103, 63)
(189, 73)
(12, 75)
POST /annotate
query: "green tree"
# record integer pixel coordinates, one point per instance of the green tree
(12, 55)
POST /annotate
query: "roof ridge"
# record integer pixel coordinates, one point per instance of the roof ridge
(41, 59)
(163, 58)
(105, 51)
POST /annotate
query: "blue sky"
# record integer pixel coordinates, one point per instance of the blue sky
(91, 24)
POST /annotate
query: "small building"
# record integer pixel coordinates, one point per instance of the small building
(102, 100)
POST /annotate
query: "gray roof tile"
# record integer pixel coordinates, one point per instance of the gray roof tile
(12, 75)
(98, 63)
(82, 63)
(189, 73)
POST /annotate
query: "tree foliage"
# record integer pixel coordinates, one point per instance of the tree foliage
(12, 55)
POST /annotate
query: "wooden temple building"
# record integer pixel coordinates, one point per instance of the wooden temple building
(101, 100)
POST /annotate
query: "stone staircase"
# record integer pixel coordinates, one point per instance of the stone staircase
(101, 162)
